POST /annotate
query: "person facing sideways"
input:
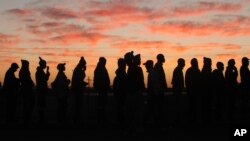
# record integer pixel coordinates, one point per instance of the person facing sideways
(159, 68)
(219, 88)
(10, 89)
(232, 87)
(102, 85)
(61, 87)
(244, 86)
(153, 109)
(178, 86)
(42, 78)
(192, 81)
(78, 86)
(28, 94)
(120, 89)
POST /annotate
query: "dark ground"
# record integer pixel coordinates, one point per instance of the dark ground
(90, 129)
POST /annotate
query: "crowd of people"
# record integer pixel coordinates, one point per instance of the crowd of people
(128, 85)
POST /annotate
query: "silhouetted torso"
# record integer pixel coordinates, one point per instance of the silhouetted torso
(219, 82)
(245, 77)
(178, 79)
(41, 79)
(159, 68)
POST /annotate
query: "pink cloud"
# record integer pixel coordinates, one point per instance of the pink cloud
(19, 12)
(83, 38)
(226, 26)
(59, 13)
(200, 8)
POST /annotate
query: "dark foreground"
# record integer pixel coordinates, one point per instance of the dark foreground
(89, 129)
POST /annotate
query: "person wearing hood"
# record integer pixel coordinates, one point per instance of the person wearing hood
(27, 85)
(78, 86)
(42, 78)
(102, 85)
(61, 87)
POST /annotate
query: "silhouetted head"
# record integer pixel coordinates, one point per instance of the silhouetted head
(181, 62)
(231, 62)
(121, 63)
(14, 67)
(194, 63)
(149, 64)
(220, 66)
(207, 61)
(245, 61)
(25, 63)
(42, 63)
(137, 59)
(61, 66)
(82, 62)
(160, 58)
(128, 57)
(102, 61)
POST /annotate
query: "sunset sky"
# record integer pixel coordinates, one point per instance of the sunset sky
(64, 30)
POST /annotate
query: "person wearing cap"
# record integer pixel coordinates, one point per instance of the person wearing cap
(61, 87)
(231, 75)
(78, 86)
(10, 88)
(244, 86)
(27, 85)
(178, 86)
(42, 78)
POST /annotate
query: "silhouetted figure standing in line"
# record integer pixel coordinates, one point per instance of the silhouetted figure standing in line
(78, 87)
(102, 85)
(232, 87)
(10, 88)
(28, 94)
(153, 100)
(42, 88)
(136, 86)
(206, 93)
(219, 87)
(120, 89)
(158, 67)
(61, 87)
(192, 81)
(244, 86)
(178, 86)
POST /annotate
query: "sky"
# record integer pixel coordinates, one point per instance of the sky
(61, 31)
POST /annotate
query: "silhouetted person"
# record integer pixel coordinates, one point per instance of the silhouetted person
(232, 87)
(158, 67)
(120, 89)
(178, 86)
(244, 86)
(135, 88)
(42, 88)
(192, 81)
(78, 87)
(153, 109)
(10, 88)
(28, 94)
(102, 85)
(61, 87)
(219, 87)
(206, 94)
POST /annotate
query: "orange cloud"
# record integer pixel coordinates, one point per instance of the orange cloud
(9, 40)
